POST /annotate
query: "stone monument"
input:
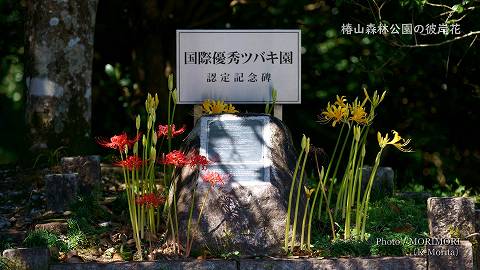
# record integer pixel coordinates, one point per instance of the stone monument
(247, 214)
(88, 169)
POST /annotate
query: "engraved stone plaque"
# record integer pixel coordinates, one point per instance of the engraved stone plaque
(238, 146)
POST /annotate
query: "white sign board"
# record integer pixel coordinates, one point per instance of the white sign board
(238, 66)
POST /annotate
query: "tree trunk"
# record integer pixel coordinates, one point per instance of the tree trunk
(59, 69)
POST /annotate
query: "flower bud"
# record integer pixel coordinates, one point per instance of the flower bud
(154, 139)
(156, 101)
(304, 141)
(356, 133)
(137, 122)
(144, 140)
(153, 153)
(170, 82)
(149, 123)
(174, 96)
(383, 96)
(135, 148)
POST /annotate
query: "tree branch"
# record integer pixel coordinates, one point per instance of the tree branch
(438, 5)
(473, 33)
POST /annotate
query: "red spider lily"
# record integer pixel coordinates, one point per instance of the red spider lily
(163, 130)
(198, 160)
(176, 158)
(130, 162)
(214, 178)
(118, 141)
(150, 200)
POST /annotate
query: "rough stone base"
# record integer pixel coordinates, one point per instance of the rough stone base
(477, 220)
(388, 263)
(450, 257)
(61, 190)
(88, 169)
(155, 265)
(241, 216)
(448, 217)
(56, 227)
(29, 258)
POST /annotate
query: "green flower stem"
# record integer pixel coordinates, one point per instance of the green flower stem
(334, 175)
(358, 178)
(366, 196)
(356, 191)
(169, 123)
(205, 198)
(346, 178)
(290, 197)
(131, 207)
(172, 228)
(302, 238)
(327, 202)
(175, 215)
(360, 165)
(294, 229)
(353, 178)
(341, 191)
(325, 178)
(189, 222)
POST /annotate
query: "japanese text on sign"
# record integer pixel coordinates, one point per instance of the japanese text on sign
(238, 66)
(227, 58)
(401, 29)
(238, 77)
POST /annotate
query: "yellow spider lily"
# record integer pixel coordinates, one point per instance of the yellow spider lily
(376, 99)
(396, 141)
(334, 113)
(219, 106)
(358, 113)
(308, 191)
(341, 101)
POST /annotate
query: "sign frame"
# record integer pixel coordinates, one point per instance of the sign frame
(187, 95)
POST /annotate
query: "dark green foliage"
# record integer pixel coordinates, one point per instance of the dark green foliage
(82, 229)
(5, 243)
(392, 226)
(44, 238)
(392, 214)
(49, 158)
(12, 86)
(87, 207)
(349, 248)
(402, 244)
(453, 189)
(125, 252)
(76, 236)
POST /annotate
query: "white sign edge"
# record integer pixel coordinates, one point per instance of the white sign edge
(177, 57)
